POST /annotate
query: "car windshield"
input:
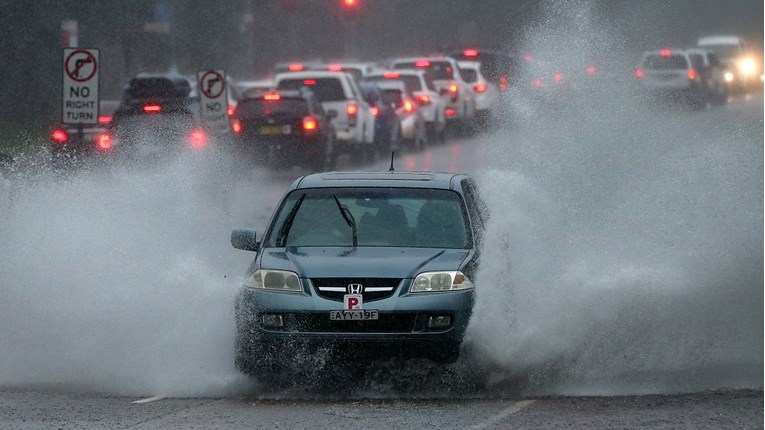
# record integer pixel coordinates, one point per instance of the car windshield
(260, 108)
(389, 217)
(661, 62)
(325, 89)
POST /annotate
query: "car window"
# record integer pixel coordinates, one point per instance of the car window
(436, 70)
(325, 89)
(259, 108)
(392, 97)
(423, 218)
(157, 88)
(411, 82)
(660, 62)
(469, 75)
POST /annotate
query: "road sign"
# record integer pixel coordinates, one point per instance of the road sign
(80, 96)
(213, 99)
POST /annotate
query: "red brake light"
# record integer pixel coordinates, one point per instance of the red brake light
(236, 126)
(335, 68)
(591, 69)
(422, 63)
(453, 88)
(198, 139)
(59, 136)
(423, 99)
(231, 110)
(450, 112)
(295, 67)
(537, 83)
(479, 88)
(470, 53)
(310, 124)
(104, 119)
(408, 106)
(152, 108)
(527, 57)
(692, 74)
(665, 52)
(374, 110)
(558, 77)
(104, 141)
(639, 73)
(391, 75)
(309, 82)
(349, 3)
(503, 83)
(272, 97)
(352, 109)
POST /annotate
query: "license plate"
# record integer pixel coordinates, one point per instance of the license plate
(271, 130)
(354, 315)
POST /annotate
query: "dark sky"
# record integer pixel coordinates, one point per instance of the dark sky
(208, 33)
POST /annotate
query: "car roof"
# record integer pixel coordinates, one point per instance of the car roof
(719, 40)
(311, 74)
(434, 180)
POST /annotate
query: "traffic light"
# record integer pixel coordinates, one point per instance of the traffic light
(349, 9)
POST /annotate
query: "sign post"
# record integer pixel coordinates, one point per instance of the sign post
(213, 100)
(80, 96)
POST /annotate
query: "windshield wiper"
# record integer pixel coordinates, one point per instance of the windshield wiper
(349, 219)
(281, 240)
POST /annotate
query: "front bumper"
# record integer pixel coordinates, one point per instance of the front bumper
(403, 319)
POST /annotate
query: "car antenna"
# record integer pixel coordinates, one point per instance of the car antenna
(391, 161)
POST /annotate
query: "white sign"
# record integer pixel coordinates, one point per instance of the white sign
(213, 99)
(80, 97)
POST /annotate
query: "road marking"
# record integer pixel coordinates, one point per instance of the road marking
(513, 408)
(147, 400)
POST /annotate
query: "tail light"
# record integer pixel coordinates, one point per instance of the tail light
(104, 119)
(666, 52)
(231, 110)
(335, 68)
(236, 126)
(408, 106)
(692, 74)
(537, 83)
(352, 110)
(272, 97)
(422, 63)
(310, 125)
(309, 82)
(295, 67)
(152, 108)
(639, 73)
(558, 77)
(503, 83)
(391, 75)
(374, 110)
(527, 57)
(470, 53)
(59, 136)
(198, 138)
(423, 99)
(480, 88)
(454, 91)
(449, 112)
(591, 69)
(104, 141)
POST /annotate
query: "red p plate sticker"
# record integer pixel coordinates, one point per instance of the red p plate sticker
(352, 301)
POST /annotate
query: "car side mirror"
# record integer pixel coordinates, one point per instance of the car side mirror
(244, 240)
(331, 114)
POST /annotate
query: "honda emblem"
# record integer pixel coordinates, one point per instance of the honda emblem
(355, 288)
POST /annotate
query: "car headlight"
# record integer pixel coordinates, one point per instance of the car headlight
(747, 66)
(728, 76)
(436, 282)
(278, 280)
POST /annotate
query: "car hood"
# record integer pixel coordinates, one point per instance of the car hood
(373, 262)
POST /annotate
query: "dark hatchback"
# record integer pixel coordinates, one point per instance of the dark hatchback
(158, 116)
(284, 127)
(373, 263)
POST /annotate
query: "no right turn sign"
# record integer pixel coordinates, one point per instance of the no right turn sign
(80, 85)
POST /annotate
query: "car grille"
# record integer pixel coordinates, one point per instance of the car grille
(374, 288)
(387, 323)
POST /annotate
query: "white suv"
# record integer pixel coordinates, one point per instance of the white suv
(459, 96)
(338, 92)
(671, 74)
